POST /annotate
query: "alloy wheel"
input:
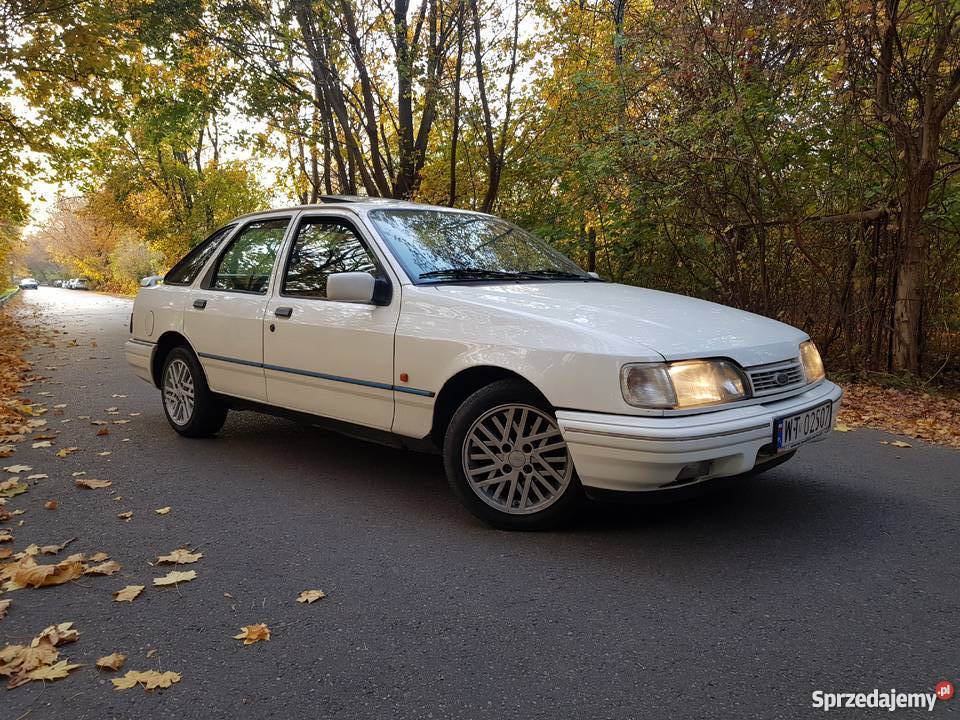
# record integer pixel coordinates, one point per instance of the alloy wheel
(178, 393)
(516, 460)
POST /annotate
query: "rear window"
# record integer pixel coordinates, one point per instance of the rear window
(186, 271)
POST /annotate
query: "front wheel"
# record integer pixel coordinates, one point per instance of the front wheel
(507, 462)
(191, 409)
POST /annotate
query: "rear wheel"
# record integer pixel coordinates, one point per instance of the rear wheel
(507, 462)
(191, 408)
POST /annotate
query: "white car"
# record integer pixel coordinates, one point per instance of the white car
(29, 284)
(428, 326)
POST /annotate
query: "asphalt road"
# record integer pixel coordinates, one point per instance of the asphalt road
(837, 571)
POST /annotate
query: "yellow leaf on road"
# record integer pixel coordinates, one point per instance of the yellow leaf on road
(253, 633)
(52, 672)
(46, 575)
(900, 444)
(310, 596)
(150, 679)
(162, 511)
(58, 634)
(128, 593)
(125, 516)
(174, 577)
(63, 452)
(107, 568)
(92, 484)
(113, 661)
(180, 556)
(4, 606)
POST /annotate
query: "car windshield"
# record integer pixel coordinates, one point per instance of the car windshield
(443, 246)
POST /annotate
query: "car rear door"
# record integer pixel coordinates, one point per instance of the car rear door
(223, 316)
(322, 356)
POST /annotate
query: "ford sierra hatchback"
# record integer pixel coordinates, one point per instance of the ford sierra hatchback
(434, 327)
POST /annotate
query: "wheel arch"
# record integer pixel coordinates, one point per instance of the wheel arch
(460, 386)
(165, 343)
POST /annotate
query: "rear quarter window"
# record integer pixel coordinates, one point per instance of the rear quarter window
(186, 271)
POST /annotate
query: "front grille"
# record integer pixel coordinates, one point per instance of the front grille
(776, 377)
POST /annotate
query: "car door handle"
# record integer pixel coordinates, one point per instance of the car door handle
(199, 304)
(283, 311)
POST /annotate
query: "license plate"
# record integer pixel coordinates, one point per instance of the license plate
(793, 430)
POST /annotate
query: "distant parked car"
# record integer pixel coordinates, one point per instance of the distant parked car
(29, 284)
(81, 284)
(68, 284)
(58, 283)
(151, 280)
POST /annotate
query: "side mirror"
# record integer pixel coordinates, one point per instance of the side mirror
(356, 287)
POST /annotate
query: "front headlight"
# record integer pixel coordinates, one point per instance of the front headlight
(690, 383)
(812, 364)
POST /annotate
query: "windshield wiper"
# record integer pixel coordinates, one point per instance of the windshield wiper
(559, 274)
(466, 273)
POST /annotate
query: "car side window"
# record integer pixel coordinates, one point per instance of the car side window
(323, 246)
(248, 260)
(186, 271)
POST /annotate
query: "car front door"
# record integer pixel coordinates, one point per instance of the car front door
(223, 317)
(323, 356)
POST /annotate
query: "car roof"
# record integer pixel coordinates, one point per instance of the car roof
(354, 202)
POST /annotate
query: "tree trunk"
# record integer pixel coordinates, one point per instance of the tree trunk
(911, 272)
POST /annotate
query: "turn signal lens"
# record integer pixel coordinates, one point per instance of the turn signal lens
(812, 364)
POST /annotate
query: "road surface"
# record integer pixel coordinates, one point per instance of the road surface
(837, 571)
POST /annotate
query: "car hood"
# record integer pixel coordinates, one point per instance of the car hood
(673, 326)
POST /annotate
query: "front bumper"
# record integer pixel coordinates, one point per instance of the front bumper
(634, 453)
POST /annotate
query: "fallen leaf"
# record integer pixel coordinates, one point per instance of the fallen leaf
(92, 484)
(46, 575)
(103, 431)
(125, 515)
(113, 661)
(58, 634)
(174, 577)
(107, 568)
(128, 593)
(50, 504)
(150, 679)
(99, 557)
(253, 633)
(39, 476)
(162, 511)
(310, 596)
(63, 452)
(54, 549)
(17, 469)
(5, 536)
(11, 488)
(104, 453)
(900, 444)
(52, 672)
(41, 444)
(180, 556)
(4, 606)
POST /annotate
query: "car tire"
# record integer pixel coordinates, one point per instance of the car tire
(191, 408)
(506, 461)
